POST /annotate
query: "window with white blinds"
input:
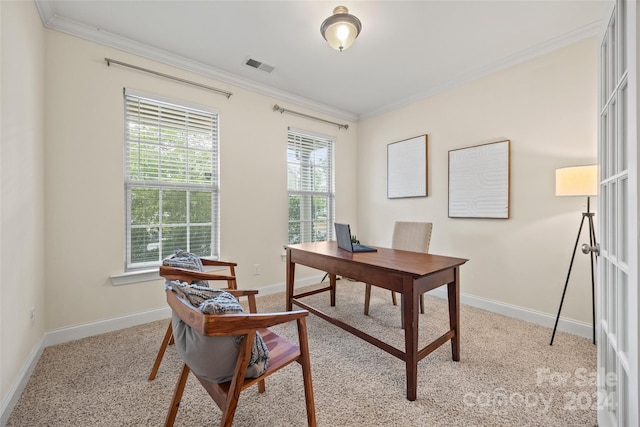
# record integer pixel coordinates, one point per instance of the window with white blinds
(310, 179)
(171, 180)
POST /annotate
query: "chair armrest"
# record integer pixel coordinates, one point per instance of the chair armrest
(175, 273)
(227, 324)
(246, 323)
(213, 262)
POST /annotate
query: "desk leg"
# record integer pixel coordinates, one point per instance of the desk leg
(291, 272)
(410, 299)
(453, 290)
(332, 291)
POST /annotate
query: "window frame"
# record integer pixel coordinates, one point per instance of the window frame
(211, 186)
(307, 221)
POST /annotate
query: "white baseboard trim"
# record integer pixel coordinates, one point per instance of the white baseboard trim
(21, 382)
(109, 325)
(569, 326)
(85, 330)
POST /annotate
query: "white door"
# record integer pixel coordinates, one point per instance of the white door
(617, 325)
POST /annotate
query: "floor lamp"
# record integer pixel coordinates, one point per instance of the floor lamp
(580, 181)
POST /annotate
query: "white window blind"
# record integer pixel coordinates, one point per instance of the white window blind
(171, 180)
(310, 178)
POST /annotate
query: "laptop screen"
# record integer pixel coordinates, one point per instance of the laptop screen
(343, 235)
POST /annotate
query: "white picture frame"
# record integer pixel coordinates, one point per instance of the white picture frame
(479, 181)
(407, 168)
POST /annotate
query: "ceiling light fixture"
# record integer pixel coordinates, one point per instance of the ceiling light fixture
(340, 29)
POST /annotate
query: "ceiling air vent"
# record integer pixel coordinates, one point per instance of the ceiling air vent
(259, 65)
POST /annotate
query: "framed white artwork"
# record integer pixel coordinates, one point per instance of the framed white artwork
(479, 181)
(407, 168)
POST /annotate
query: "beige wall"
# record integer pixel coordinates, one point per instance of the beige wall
(547, 108)
(22, 190)
(85, 190)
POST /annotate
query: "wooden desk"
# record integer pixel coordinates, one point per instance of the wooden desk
(409, 273)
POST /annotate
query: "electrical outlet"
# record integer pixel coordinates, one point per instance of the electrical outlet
(32, 316)
(256, 269)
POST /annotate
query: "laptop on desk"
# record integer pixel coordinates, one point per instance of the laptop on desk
(343, 235)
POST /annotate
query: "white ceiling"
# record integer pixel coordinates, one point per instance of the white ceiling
(407, 50)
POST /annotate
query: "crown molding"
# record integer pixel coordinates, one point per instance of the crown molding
(51, 21)
(582, 33)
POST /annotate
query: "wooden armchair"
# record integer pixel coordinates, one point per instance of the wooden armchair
(190, 276)
(281, 351)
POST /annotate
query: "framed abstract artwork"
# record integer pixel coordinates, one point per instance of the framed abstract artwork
(479, 181)
(407, 168)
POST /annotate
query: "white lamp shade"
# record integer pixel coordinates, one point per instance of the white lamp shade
(577, 181)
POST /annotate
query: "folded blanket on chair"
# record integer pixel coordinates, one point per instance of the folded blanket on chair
(208, 300)
(216, 301)
(186, 260)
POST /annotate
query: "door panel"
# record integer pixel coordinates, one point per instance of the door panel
(617, 325)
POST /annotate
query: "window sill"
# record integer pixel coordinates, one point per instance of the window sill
(135, 277)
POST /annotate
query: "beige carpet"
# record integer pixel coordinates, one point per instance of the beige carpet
(508, 375)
